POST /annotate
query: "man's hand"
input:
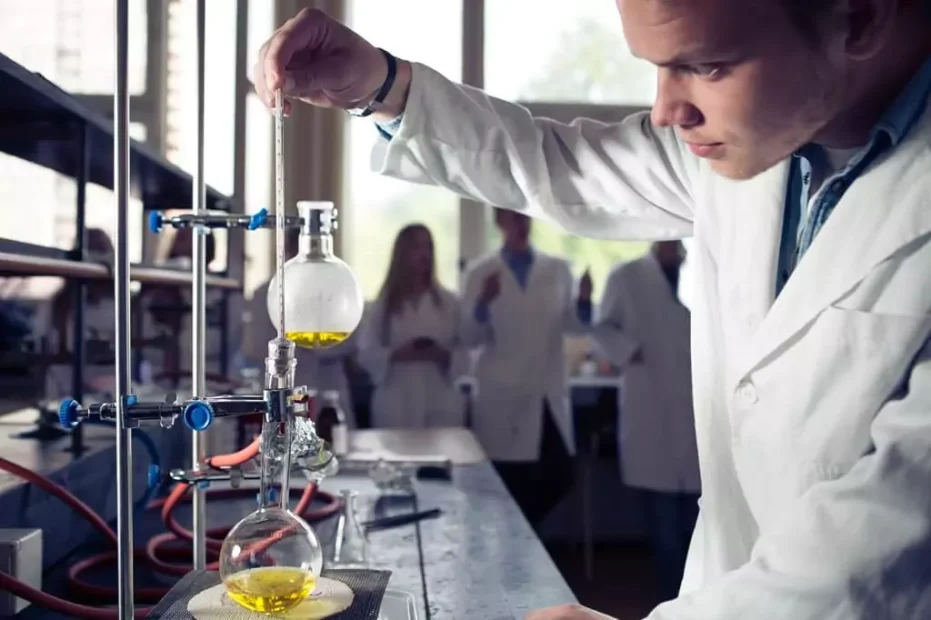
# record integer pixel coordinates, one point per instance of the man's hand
(316, 59)
(566, 612)
(585, 287)
(491, 287)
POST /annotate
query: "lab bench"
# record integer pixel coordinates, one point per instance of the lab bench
(479, 559)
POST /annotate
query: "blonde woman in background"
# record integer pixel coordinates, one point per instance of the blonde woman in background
(409, 341)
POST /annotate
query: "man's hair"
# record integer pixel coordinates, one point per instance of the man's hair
(806, 13)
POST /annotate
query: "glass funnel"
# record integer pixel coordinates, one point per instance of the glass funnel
(323, 302)
(270, 561)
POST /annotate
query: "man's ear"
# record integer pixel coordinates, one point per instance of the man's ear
(870, 23)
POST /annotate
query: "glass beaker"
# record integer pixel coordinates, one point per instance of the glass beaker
(350, 549)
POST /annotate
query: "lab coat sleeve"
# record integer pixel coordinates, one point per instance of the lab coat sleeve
(472, 331)
(374, 355)
(609, 330)
(625, 180)
(853, 547)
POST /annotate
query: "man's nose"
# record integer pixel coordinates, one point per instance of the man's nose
(672, 107)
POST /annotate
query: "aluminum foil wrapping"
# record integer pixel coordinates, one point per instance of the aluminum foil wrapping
(308, 451)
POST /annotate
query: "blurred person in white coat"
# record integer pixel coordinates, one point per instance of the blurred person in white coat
(518, 305)
(643, 329)
(791, 138)
(319, 369)
(410, 339)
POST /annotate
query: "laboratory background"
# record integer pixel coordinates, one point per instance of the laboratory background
(511, 416)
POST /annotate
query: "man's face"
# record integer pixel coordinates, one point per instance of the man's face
(515, 228)
(737, 79)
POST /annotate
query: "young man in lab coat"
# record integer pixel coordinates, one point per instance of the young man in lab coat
(792, 138)
(643, 329)
(518, 305)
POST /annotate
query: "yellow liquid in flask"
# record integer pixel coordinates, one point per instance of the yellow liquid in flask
(316, 340)
(271, 589)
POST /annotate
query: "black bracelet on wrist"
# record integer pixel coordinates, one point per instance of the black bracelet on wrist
(379, 98)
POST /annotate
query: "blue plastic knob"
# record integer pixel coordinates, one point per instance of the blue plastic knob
(273, 495)
(155, 476)
(156, 221)
(258, 219)
(198, 415)
(68, 413)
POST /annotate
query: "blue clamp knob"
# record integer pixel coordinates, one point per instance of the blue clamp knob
(156, 221)
(155, 476)
(257, 220)
(198, 415)
(68, 413)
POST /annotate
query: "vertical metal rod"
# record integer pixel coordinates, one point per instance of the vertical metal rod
(199, 292)
(124, 481)
(80, 287)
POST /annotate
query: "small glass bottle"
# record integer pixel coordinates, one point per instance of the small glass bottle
(323, 303)
(331, 423)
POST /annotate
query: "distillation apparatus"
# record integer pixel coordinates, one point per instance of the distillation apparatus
(270, 560)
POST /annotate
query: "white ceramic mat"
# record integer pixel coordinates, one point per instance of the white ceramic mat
(330, 597)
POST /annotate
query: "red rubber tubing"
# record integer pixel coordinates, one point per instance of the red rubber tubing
(63, 494)
(153, 553)
(38, 597)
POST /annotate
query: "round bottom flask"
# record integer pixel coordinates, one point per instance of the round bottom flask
(270, 561)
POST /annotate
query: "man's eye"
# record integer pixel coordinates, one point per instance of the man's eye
(707, 71)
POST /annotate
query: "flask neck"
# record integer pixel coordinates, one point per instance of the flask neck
(316, 245)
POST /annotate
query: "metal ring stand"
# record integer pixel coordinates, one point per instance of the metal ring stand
(279, 401)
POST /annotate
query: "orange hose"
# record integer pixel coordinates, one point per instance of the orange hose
(236, 458)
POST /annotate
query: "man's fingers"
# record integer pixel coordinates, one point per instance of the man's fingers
(292, 36)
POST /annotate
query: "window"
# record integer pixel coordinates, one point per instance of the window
(378, 207)
(550, 50)
(72, 43)
(259, 140)
(220, 89)
(575, 56)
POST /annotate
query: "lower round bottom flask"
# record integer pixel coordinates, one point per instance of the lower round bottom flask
(270, 561)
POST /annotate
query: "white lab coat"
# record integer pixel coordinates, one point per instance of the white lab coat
(812, 410)
(656, 427)
(319, 370)
(521, 361)
(413, 394)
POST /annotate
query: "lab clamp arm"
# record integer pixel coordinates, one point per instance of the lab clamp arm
(260, 219)
(197, 414)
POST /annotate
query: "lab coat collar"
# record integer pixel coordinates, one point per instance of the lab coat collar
(884, 210)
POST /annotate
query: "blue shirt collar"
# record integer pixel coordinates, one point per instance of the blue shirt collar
(517, 258)
(904, 112)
